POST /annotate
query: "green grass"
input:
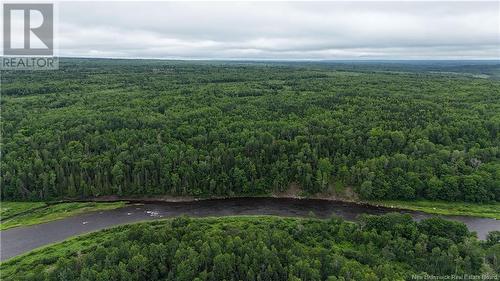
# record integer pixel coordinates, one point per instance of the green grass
(446, 208)
(28, 213)
(10, 209)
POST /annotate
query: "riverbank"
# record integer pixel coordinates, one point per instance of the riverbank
(146, 248)
(19, 240)
(486, 210)
(15, 214)
(491, 211)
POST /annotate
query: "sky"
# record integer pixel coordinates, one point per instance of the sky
(280, 30)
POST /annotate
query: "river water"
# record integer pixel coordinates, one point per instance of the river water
(19, 240)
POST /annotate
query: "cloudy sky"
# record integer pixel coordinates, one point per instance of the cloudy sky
(281, 30)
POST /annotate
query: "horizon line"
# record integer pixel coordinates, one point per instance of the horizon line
(282, 60)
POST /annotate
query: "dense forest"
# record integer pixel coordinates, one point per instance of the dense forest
(146, 127)
(390, 247)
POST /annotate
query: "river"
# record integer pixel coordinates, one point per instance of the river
(20, 240)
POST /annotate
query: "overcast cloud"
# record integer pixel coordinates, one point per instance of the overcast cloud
(281, 30)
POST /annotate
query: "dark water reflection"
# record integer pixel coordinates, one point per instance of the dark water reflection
(20, 240)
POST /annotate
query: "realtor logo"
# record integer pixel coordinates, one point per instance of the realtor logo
(28, 37)
(28, 29)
